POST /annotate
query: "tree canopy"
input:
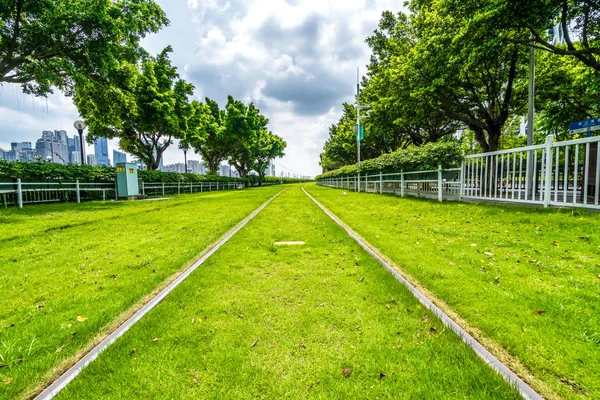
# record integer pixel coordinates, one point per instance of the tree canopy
(145, 109)
(450, 70)
(51, 43)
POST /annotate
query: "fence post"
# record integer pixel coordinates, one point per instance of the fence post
(461, 180)
(163, 188)
(402, 183)
(439, 182)
(217, 186)
(19, 193)
(548, 178)
(178, 187)
(380, 183)
(77, 190)
(191, 188)
(358, 181)
(143, 189)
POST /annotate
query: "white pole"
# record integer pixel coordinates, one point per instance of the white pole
(440, 183)
(530, 111)
(358, 125)
(548, 179)
(19, 192)
(77, 191)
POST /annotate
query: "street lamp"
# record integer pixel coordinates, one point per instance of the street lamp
(80, 126)
(358, 118)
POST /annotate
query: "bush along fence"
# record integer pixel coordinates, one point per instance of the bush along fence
(563, 174)
(37, 182)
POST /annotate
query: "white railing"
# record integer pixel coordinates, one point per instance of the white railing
(163, 188)
(552, 174)
(438, 183)
(20, 193)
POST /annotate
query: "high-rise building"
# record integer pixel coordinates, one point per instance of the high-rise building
(19, 151)
(74, 145)
(75, 157)
(91, 159)
(53, 147)
(101, 151)
(119, 157)
(224, 170)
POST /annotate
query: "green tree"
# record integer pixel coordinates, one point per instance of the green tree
(46, 43)
(400, 116)
(146, 108)
(210, 138)
(468, 65)
(579, 21)
(566, 91)
(267, 147)
(244, 124)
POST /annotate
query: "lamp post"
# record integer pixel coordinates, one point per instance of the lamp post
(80, 126)
(358, 118)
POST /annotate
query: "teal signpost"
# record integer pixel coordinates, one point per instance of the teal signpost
(360, 136)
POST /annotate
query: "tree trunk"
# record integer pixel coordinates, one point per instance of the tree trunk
(494, 133)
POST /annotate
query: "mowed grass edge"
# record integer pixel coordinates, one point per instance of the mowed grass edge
(526, 292)
(319, 320)
(58, 307)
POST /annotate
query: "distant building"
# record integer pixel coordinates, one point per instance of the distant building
(225, 170)
(91, 159)
(53, 147)
(101, 151)
(118, 157)
(74, 145)
(75, 157)
(19, 151)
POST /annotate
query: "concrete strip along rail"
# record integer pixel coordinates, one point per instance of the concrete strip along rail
(524, 389)
(71, 373)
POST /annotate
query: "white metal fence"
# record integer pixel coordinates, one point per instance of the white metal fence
(552, 174)
(20, 193)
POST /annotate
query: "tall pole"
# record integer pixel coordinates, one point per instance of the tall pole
(185, 168)
(81, 145)
(358, 125)
(530, 116)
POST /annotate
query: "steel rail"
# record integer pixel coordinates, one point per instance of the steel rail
(509, 376)
(60, 383)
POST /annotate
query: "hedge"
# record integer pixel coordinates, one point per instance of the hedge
(423, 158)
(38, 171)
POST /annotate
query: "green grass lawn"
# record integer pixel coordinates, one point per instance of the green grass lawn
(319, 320)
(527, 278)
(67, 271)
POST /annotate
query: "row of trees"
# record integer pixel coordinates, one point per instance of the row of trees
(452, 65)
(90, 49)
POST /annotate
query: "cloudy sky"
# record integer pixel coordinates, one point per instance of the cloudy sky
(295, 59)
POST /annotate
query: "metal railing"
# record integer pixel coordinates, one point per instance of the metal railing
(552, 174)
(438, 183)
(19, 193)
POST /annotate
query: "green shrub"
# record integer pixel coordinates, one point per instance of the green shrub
(38, 171)
(423, 158)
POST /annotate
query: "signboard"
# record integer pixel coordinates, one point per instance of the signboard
(360, 136)
(585, 126)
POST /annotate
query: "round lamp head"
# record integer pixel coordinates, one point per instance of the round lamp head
(79, 125)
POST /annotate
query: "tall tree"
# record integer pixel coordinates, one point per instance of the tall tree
(243, 124)
(46, 43)
(468, 65)
(145, 109)
(579, 21)
(267, 147)
(210, 139)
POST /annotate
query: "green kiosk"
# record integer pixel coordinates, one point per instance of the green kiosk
(127, 180)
